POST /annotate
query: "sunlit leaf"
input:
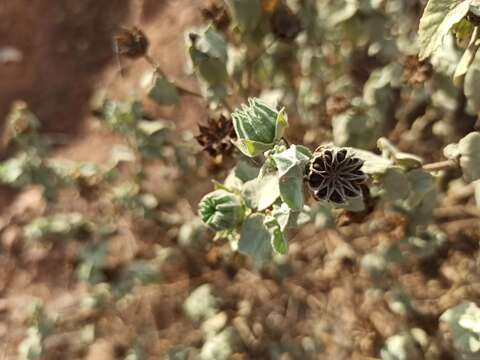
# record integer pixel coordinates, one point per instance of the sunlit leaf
(438, 18)
(291, 165)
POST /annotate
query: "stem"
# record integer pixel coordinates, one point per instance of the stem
(186, 91)
(250, 64)
(159, 71)
(154, 64)
(440, 165)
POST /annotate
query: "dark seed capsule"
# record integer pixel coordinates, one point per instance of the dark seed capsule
(131, 42)
(216, 138)
(285, 24)
(334, 175)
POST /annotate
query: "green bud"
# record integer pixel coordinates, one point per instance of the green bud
(258, 127)
(221, 210)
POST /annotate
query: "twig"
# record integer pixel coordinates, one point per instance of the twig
(286, 141)
(250, 66)
(440, 165)
(160, 72)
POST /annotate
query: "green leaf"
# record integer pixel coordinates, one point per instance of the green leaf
(163, 92)
(291, 188)
(395, 185)
(464, 323)
(277, 236)
(280, 125)
(208, 52)
(93, 259)
(355, 128)
(463, 32)
(408, 161)
(14, 171)
(427, 244)
(241, 174)
(247, 13)
(279, 241)
(252, 148)
(421, 181)
(420, 207)
(289, 159)
(355, 204)
(438, 18)
(262, 192)
(399, 347)
(291, 164)
(212, 43)
(213, 71)
(285, 216)
(373, 164)
(255, 239)
(59, 226)
(468, 150)
(466, 60)
(472, 86)
(405, 160)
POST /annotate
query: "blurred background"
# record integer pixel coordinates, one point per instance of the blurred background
(102, 255)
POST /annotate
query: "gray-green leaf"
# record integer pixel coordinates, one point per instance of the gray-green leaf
(395, 185)
(163, 92)
(468, 152)
(438, 18)
(255, 239)
(290, 164)
(247, 13)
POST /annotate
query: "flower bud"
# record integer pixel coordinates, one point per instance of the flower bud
(221, 210)
(258, 127)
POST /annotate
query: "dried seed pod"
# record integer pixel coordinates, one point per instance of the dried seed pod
(415, 71)
(217, 14)
(131, 42)
(216, 138)
(337, 104)
(334, 174)
(285, 23)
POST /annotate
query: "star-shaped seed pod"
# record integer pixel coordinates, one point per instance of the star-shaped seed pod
(334, 174)
(131, 43)
(216, 138)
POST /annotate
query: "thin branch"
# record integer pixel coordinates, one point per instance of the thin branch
(159, 71)
(440, 165)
